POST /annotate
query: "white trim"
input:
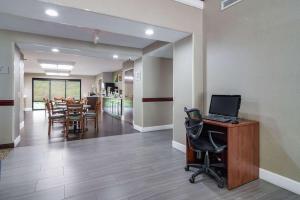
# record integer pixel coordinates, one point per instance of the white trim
(139, 128)
(21, 125)
(17, 141)
(280, 181)
(266, 175)
(193, 3)
(152, 128)
(179, 146)
(28, 109)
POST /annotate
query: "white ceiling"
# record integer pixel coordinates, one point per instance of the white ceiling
(81, 25)
(83, 65)
(21, 24)
(76, 50)
(75, 21)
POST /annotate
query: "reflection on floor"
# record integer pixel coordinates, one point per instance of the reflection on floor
(128, 115)
(35, 131)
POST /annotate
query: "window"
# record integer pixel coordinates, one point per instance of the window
(73, 89)
(50, 88)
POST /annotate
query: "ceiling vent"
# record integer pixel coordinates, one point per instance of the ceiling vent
(193, 3)
(228, 3)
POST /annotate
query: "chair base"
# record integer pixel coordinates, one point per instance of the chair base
(207, 168)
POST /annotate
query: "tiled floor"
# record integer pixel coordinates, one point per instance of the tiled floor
(35, 131)
(133, 166)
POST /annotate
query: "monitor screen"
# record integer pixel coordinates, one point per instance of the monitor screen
(226, 105)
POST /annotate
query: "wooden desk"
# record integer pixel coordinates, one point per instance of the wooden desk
(242, 158)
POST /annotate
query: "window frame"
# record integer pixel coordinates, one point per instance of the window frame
(49, 93)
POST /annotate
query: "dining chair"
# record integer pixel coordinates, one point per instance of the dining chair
(46, 100)
(93, 115)
(70, 100)
(55, 110)
(55, 118)
(75, 118)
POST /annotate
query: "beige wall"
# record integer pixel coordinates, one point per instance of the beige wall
(253, 50)
(157, 82)
(18, 114)
(182, 85)
(87, 82)
(138, 93)
(6, 88)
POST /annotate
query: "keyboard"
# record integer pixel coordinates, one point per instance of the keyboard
(223, 119)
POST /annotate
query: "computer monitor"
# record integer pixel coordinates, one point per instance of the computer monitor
(225, 105)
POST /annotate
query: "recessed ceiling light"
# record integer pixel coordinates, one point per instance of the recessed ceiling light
(115, 56)
(55, 50)
(51, 13)
(57, 74)
(65, 67)
(149, 32)
(60, 67)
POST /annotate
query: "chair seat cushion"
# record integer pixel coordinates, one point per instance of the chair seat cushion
(57, 116)
(203, 144)
(74, 117)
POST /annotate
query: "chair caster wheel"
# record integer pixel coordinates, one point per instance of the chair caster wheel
(192, 179)
(187, 168)
(221, 183)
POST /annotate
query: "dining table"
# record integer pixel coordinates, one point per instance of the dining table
(75, 128)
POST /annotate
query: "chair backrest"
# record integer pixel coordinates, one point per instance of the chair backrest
(84, 101)
(51, 103)
(193, 124)
(70, 100)
(75, 109)
(58, 99)
(48, 107)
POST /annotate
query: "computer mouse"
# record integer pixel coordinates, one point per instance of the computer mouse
(234, 121)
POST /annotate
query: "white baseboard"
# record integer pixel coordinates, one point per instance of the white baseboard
(21, 125)
(265, 175)
(152, 128)
(17, 141)
(28, 109)
(139, 128)
(280, 181)
(179, 146)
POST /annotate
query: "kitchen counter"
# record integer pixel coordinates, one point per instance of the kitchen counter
(113, 106)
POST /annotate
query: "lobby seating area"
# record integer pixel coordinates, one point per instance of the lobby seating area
(149, 100)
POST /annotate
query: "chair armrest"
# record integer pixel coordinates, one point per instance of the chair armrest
(212, 140)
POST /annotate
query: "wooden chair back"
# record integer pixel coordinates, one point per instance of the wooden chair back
(75, 109)
(48, 107)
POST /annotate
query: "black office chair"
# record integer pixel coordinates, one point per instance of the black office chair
(199, 143)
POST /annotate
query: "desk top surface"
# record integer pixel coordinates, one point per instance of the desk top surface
(242, 122)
